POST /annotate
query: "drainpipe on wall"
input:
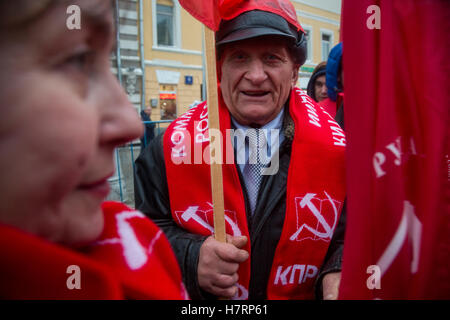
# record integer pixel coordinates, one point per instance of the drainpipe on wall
(141, 50)
(118, 58)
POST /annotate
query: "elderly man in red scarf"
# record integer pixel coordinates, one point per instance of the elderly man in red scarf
(283, 214)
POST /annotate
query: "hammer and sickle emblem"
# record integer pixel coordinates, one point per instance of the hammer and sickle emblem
(191, 214)
(306, 202)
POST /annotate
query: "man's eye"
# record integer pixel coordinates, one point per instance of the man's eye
(272, 58)
(238, 57)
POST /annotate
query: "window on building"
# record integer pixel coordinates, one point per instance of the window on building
(165, 23)
(168, 102)
(308, 35)
(326, 46)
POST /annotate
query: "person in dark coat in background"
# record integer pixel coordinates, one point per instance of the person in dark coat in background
(317, 88)
(149, 128)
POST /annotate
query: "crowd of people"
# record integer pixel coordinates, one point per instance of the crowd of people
(63, 113)
(52, 211)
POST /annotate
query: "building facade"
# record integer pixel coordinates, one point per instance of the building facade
(170, 43)
(321, 21)
(173, 58)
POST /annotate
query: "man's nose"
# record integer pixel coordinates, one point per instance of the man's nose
(255, 72)
(324, 90)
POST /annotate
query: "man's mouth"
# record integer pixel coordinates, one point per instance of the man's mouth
(255, 93)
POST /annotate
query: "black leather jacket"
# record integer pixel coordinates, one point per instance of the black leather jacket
(152, 198)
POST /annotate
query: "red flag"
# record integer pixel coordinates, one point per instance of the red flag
(396, 117)
(211, 12)
(207, 12)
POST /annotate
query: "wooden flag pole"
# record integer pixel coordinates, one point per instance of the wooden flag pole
(213, 121)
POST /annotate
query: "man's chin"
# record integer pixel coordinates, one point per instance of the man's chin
(260, 118)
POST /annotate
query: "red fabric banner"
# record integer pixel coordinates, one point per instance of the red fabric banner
(397, 243)
(211, 12)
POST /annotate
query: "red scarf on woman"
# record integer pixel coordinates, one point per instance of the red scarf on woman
(132, 259)
(315, 191)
